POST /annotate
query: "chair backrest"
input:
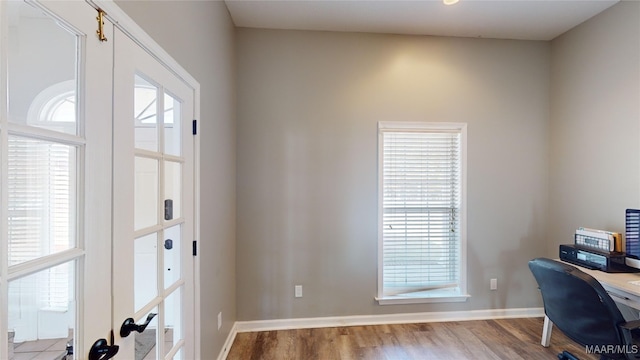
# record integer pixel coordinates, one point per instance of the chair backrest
(577, 304)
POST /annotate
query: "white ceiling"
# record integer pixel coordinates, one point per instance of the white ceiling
(501, 19)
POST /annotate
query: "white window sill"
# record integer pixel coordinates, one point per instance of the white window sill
(423, 298)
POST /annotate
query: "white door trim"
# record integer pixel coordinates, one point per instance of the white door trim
(123, 22)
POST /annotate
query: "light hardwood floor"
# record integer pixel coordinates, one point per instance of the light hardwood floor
(486, 339)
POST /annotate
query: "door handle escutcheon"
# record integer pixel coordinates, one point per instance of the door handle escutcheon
(130, 325)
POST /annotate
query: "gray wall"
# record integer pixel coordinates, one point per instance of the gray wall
(201, 37)
(308, 107)
(308, 104)
(595, 129)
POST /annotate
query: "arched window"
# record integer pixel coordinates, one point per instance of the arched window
(55, 108)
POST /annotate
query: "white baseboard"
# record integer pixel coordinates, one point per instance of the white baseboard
(227, 344)
(359, 320)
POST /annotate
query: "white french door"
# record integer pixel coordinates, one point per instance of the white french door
(96, 189)
(153, 204)
(55, 146)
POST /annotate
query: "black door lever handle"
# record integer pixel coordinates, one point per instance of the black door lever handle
(101, 350)
(130, 325)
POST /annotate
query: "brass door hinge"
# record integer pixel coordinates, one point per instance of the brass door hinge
(100, 30)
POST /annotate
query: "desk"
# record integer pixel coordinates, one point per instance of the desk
(616, 284)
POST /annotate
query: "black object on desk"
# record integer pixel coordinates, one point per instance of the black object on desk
(611, 263)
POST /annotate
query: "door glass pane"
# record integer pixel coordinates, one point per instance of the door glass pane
(172, 122)
(42, 314)
(172, 246)
(42, 198)
(145, 270)
(173, 188)
(146, 193)
(145, 109)
(146, 341)
(173, 320)
(42, 61)
(178, 355)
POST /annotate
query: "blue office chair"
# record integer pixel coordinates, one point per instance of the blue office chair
(582, 309)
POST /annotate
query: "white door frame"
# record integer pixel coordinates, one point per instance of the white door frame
(123, 22)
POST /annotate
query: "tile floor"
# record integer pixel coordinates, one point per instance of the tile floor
(54, 349)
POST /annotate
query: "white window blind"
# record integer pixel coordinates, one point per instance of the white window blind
(41, 212)
(42, 195)
(421, 209)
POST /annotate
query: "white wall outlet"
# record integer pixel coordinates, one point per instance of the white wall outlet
(298, 291)
(219, 320)
(493, 285)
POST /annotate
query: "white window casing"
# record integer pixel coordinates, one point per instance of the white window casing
(421, 212)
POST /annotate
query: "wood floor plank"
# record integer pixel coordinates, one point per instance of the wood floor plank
(486, 339)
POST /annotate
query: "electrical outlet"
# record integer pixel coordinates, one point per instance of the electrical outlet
(493, 284)
(219, 320)
(298, 291)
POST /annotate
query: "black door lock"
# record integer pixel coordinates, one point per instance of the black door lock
(168, 209)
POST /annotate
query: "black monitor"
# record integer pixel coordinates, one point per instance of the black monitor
(632, 236)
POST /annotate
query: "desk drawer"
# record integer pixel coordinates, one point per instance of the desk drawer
(623, 297)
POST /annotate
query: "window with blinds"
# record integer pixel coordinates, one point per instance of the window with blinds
(41, 209)
(42, 196)
(421, 217)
